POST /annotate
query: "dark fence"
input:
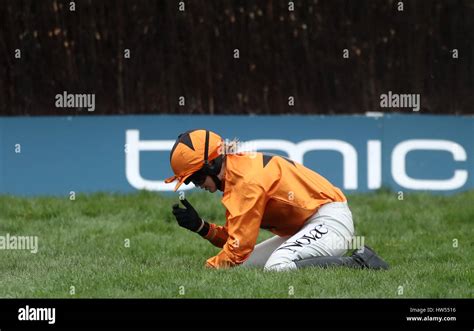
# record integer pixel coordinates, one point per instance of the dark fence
(427, 48)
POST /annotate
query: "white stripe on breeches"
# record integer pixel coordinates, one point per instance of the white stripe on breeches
(326, 233)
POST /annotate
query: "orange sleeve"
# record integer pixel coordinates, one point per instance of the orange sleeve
(217, 235)
(245, 208)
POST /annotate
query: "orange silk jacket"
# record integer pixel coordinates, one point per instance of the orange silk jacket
(269, 192)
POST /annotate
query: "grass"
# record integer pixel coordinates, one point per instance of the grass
(82, 250)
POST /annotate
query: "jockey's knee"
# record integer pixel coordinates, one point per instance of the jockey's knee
(279, 266)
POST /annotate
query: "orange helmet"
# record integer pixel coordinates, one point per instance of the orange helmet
(191, 152)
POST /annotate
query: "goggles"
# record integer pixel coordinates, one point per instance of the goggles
(198, 178)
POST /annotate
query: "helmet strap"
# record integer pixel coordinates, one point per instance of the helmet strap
(212, 170)
(217, 181)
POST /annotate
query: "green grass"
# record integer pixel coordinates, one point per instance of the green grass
(82, 244)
